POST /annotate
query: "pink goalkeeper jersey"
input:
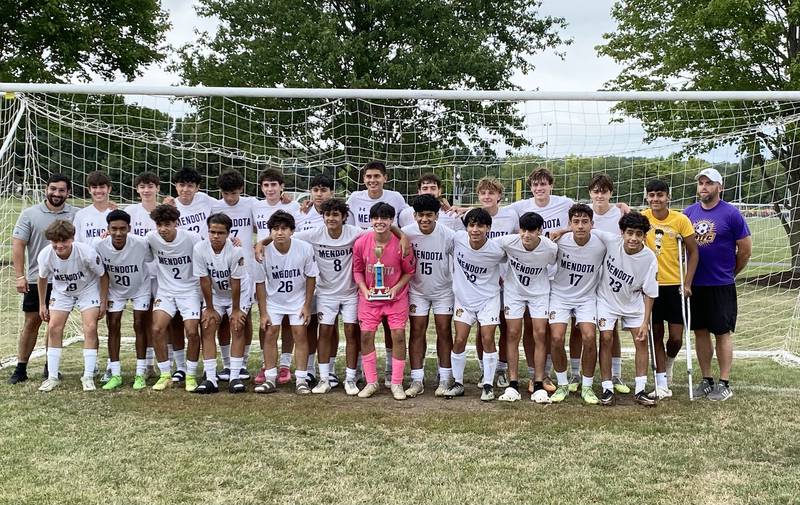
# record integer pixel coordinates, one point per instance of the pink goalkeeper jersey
(394, 264)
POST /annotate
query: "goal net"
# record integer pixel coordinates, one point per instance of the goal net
(460, 136)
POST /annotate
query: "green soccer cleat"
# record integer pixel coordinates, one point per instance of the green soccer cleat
(115, 382)
(619, 386)
(164, 381)
(574, 383)
(191, 383)
(589, 397)
(139, 383)
(561, 394)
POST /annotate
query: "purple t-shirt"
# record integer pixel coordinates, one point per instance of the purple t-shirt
(717, 231)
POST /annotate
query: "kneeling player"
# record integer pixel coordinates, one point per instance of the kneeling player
(225, 285)
(627, 289)
(291, 274)
(126, 258)
(79, 280)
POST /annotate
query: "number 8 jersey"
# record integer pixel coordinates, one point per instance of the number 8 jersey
(174, 261)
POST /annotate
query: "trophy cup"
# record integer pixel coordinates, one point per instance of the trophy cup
(378, 291)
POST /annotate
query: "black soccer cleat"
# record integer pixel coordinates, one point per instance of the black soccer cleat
(236, 386)
(643, 399)
(18, 376)
(224, 375)
(608, 398)
(206, 388)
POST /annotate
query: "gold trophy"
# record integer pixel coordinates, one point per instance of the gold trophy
(379, 291)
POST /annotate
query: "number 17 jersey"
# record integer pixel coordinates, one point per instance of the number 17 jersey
(578, 269)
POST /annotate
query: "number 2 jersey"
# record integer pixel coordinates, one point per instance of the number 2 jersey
(578, 269)
(128, 268)
(476, 272)
(73, 275)
(174, 263)
(286, 276)
(221, 268)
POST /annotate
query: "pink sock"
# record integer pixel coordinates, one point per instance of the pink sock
(369, 362)
(398, 370)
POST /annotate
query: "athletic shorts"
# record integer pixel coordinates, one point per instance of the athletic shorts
(562, 311)
(667, 307)
(222, 307)
(370, 314)
(140, 302)
(487, 315)
(89, 298)
(187, 304)
(538, 307)
(30, 300)
(714, 308)
(421, 305)
(607, 318)
(153, 287)
(328, 309)
(277, 313)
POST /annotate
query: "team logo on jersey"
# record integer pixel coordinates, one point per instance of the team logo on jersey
(241, 262)
(97, 259)
(602, 322)
(319, 315)
(157, 302)
(706, 232)
(412, 309)
(552, 315)
(506, 310)
(110, 303)
(52, 301)
(459, 311)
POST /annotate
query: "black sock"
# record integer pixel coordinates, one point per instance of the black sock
(724, 382)
(514, 384)
(709, 379)
(22, 367)
(537, 385)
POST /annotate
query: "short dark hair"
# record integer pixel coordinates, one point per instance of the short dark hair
(189, 175)
(531, 221)
(656, 185)
(146, 178)
(321, 180)
(281, 218)
(98, 178)
(381, 210)
(230, 180)
(220, 218)
(59, 178)
(429, 178)
(539, 174)
(426, 203)
(272, 175)
(165, 214)
(478, 216)
(601, 182)
(375, 165)
(580, 208)
(335, 205)
(635, 220)
(59, 230)
(118, 215)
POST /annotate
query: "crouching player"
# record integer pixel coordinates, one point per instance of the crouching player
(291, 274)
(79, 280)
(627, 288)
(225, 284)
(126, 258)
(381, 246)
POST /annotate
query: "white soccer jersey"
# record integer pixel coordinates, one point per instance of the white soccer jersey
(262, 211)
(286, 276)
(334, 260)
(310, 220)
(221, 267)
(174, 262)
(625, 277)
(608, 222)
(90, 224)
(505, 222)
(555, 213)
(526, 272)
(434, 252)
(360, 204)
(447, 219)
(141, 222)
(193, 216)
(128, 268)
(73, 275)
(241, 215)
(476, 273)
(578, 269)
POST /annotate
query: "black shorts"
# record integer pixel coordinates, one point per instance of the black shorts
(667, 307)
(714, 308)
(30, 300)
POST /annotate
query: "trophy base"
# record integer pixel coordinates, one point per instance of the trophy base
(381, 295)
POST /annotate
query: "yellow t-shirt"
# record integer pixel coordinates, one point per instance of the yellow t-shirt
(662, 240)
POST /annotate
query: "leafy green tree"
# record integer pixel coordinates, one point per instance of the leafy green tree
(698, 45)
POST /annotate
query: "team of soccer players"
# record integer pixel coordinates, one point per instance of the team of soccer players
(534, 269)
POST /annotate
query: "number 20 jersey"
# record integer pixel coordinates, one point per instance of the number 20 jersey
(128, 269)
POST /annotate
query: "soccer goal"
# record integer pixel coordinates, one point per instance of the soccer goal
(461, 136)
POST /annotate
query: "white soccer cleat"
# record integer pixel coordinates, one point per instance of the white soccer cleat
(398, 393)
(49, 385)
(510, 395)
(660, 393)
(369, 390)
(88, 383)
(540, 396)
(416, 388)
(321, 388)
(487, 395)
(442, 389)
(350, 388)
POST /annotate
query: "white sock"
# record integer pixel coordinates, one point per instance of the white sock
(608, 386)
(236, 366)
(191, 368)
(489, 366)
(149, 356)
(575, 366)
(225, 351)
(445, 374)
(108, 364)
(141, 366)
(210, 368)
(324, 371)
(548, 364)
(661, 380)
(53, 362)
(640, 382)
(286, 360)
(116, 369)
(587, 382)
(310, 364)
(165, 366)
(350, 374)
(245, 356)
(271, 374)
(89, 362)
(170, 352)
(561, 377)
(180, 359)
(388, 362)
(300, 375)
(417, 374)
(480, 365)
(616, 367)
(459, 362)
(502, 366)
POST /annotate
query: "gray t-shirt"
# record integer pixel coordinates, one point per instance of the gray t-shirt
(30, 228)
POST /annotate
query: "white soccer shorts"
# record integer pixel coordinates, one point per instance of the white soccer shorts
(561, 311)
(140, 302)
(328, 309)
(538, 307)
(89, 298)
(187, 304)
(421, 305)
(607, 319)
(487, 315)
